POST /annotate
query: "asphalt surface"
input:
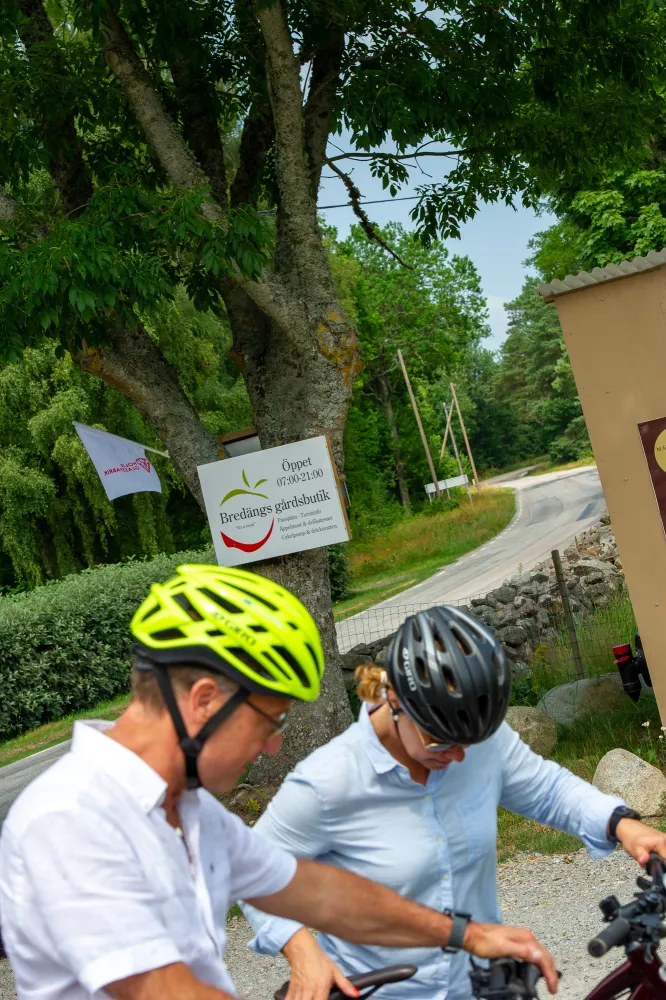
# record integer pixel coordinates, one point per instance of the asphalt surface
(14, 777)
(551, 510)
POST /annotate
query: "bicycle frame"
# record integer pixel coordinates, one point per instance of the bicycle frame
(642, 979)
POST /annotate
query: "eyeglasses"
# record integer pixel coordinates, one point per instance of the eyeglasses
(279, 723)
(433, 747)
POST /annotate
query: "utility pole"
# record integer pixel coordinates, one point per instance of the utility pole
(462, 424)
(449, 412)
(418, 421)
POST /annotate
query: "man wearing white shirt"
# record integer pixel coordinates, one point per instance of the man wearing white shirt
(117, 866)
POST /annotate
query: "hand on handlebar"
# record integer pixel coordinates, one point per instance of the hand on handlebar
(313, 973)
(497, 941)
(640, 840)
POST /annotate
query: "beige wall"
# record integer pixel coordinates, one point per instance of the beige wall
(616, 337)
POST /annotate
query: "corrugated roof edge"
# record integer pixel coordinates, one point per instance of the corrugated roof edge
(611, 272)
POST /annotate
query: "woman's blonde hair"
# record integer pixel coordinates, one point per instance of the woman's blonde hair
(371, 683)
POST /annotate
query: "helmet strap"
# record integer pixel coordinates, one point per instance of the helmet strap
(192, 746)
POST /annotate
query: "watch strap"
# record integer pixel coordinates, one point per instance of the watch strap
(620, 812)
(458, 928)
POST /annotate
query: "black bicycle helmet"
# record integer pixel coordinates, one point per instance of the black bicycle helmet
(450, 675)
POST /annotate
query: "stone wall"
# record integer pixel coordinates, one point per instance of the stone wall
(526, 611)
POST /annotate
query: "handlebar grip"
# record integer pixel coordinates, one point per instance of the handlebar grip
(616, 933)
(378, 977)
(532, 974)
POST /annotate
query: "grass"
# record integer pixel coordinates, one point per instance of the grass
(56, 732)
(580, 463)
(580, 747)
(416, 547)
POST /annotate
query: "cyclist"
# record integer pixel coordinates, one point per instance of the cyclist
(117, 865)
(408, 796)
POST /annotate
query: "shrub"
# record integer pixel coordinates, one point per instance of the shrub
(338, 571)
(65, 646)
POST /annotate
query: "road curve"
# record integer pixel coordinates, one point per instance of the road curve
(14, 777)
(551, 510)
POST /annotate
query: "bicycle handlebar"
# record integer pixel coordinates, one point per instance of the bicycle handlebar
(505, 979)
(615, 934)
(370, 981)
(639, 923)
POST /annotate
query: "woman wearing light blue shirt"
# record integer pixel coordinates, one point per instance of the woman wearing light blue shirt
(408, 797)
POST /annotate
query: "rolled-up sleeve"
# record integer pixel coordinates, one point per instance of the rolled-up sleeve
(295, 821)
(94, 899)
(546, 792)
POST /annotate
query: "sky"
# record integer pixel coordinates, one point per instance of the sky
(496, 240)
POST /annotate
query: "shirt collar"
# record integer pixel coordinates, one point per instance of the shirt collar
(380, 758)
(132, 773)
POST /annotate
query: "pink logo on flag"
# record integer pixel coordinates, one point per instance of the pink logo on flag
(144, 463)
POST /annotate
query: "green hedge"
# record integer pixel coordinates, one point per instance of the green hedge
(64, 647)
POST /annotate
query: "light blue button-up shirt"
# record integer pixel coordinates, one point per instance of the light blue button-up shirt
(351, 804)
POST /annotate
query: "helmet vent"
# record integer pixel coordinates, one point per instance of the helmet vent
(258, 628)
(278, 666)
(214, 632)
(249, 660)
(416, 631)
(450, 680)
(149, 614)
(222, 602)
(314, 658)
(291, 625)
(168, 633)
(183, 601)
(422, 669)
(484, 705)
(256, 597)
(462, 640)
(294, 664)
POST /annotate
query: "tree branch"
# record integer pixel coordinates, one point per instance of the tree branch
(367, 226)
(297, 215)
(200, 126)
(65, 165)
(256, 139)
(177, 161)
(353, 155)
(323, 91)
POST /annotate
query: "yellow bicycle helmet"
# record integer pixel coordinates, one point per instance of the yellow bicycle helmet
(236, 623)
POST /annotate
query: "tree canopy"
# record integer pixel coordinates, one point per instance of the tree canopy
(142, 142)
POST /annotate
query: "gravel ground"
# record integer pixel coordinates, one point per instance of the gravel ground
(556, 896)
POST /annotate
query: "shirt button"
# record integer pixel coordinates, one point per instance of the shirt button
(427, 798)
(442, 840)
(446, 878)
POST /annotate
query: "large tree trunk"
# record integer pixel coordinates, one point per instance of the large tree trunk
(294, 397)
(386, 401)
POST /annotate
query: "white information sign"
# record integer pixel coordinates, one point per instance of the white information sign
(273, 502)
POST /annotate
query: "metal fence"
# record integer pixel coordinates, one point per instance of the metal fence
(554, 650)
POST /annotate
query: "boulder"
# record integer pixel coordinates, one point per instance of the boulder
(538, 575)
(591, 696)
(503, 595)
(352, 660)
(382, 643)
(363, 649)
(586, 567)
(639, 784)
(526, 606)
(512, 635)
(534, 728)
(380, 658)
(530, 589)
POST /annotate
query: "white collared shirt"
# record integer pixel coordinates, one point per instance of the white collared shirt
(95, 885)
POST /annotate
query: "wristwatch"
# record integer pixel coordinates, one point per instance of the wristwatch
(621, 812)
(459, 926)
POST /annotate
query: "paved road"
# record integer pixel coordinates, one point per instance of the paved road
(551, 510)
(14, 777)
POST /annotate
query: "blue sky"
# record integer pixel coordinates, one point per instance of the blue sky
(496, 240)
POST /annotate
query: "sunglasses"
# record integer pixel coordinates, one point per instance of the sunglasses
(433, 747)
(278, 723)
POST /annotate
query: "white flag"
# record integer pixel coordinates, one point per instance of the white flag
(121, 464)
